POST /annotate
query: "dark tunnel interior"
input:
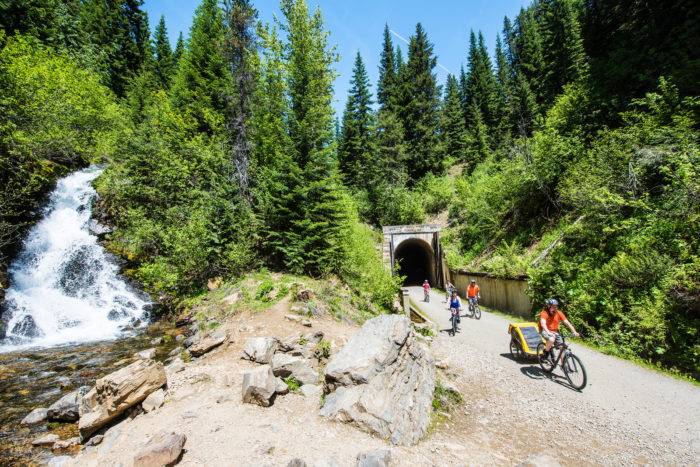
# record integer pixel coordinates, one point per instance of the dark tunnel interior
(416, 262)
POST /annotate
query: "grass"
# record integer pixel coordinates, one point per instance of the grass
(323, 349)
(293, 384)
(445, 401)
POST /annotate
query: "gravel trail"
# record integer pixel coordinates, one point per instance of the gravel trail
(626, 414)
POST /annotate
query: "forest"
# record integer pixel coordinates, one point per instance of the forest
(567, 153)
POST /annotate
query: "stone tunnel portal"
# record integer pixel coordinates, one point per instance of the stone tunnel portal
(415, 251)
(416, 261)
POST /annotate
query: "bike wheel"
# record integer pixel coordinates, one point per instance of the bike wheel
(454, 324)
(477, 312)
(575, 372)
(515, 351)
(547, 362)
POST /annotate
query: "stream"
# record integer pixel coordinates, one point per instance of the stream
(69, 318)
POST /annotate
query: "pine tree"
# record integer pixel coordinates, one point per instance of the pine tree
(203, 78)
(452, 130)
(241, 53)
(480, 82)
(399, 61)
(356, 143)
(163, 66)
(308, 233)
(387, 71)
(418, 107)
(179, 51)
(479, 145)
(529, 53)
(564, 53)
(503, 94)
(524, 109)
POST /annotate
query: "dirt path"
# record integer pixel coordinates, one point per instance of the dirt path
(626, 414)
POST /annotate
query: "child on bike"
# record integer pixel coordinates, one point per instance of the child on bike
(455, 308)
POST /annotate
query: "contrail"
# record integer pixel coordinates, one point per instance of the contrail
(406, 41)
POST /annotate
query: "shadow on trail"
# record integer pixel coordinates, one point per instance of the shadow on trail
(535, 372)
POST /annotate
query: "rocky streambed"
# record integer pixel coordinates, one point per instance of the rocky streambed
(39, 377)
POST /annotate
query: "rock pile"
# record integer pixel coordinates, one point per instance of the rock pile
(382, 381)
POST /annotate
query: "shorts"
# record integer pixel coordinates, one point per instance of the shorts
(547, 334)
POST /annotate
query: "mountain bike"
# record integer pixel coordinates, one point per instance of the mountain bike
(571, 365)
(454, 320)
(473, 310)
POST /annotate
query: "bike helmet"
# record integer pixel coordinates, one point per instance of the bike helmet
(551, 302)
(473, 281)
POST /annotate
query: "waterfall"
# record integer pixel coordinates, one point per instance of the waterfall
(64, 286)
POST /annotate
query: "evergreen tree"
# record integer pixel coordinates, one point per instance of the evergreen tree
(524, 109)
(164, 63)
(203, 79)
(53, 22)
(529, 52)
(564, 53)
(387, 71)
(398, 60)
(503, 93)
(480, 90)
(307, 233)
(452, 130)
(356, 143)
(479, 138)
(418, 107)
(179, 51)
(241, 50)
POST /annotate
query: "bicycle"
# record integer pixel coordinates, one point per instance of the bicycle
(571, 365)
(426, 296)
(473, 310)
(454, 320)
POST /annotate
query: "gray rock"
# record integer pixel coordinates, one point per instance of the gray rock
(260, 349)
(95, 440)
(146, 354)
(305, 295)
(37, 415)
(175, 352)
(175, 366)
(306, 322)
(208, 343)
(296, 462)
(179, 338)
(157, 341)
(65, 444)
(153, 401)
(46, 440)
(259, 386)
(295, 318)
(98, 229)
(162, 449)
(311, 391)
(282, 387)
(117, 392)
(376, 458)
(383, 380)
(284, 365)
(66, 409)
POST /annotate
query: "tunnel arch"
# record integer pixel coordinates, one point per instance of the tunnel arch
(416, 260)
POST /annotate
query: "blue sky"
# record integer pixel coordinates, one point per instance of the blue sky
(358, 25)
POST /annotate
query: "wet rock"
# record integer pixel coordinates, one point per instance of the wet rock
(63, 382)
(81, 271)
(65, 444)
(37, 415)
(66, 409)
(259, 386)
(384, 381)
(154, 400)
(162, 449)
(284, 365)
(208, 343)
(376, 458)
(117, 392)
(27, 327)
(46, 440)
(99, 229)
(146, 354)
(260, 349)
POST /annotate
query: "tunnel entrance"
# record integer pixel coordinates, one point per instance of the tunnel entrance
(416, 261)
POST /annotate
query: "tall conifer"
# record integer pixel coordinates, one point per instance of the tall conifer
(387, 71)
(163, 60)
(453, 134)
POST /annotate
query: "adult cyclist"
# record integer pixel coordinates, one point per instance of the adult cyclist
(473, 293)
(550, 317)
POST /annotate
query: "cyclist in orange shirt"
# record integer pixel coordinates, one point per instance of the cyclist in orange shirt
(473, 292)
(550, 317)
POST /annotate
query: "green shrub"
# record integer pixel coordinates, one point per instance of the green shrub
(436, 193)
(264, 290)
(292, 383)
(323, 349)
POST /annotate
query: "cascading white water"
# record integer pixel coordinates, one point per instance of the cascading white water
(64, 288)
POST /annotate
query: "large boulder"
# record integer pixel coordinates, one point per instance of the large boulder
(117, 392)
(285, 365)
(207, 343)
(260, 349)
(383, 381)
(163, 449)
(259, 386)
(66, 409)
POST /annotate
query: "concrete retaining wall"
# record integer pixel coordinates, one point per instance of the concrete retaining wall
(506, 295)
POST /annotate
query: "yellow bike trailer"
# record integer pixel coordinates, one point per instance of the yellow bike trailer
(524, 339)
